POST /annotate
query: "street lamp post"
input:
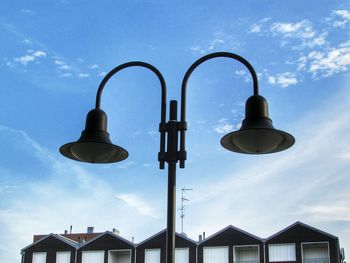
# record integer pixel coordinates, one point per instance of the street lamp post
(256, 136)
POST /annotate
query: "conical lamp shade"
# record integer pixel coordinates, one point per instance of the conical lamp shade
(257, 134)
(94, 144)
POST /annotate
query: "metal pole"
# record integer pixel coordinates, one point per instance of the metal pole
(182, 210)
(172, 147)
(170, 256)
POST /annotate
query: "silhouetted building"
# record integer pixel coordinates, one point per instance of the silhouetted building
(298, 243)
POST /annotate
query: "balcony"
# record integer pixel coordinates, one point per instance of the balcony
(246, 254)
(316, 260)
(315, 252)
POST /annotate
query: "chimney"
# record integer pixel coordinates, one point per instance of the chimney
(90, 229)
(65, 232)
(133, 239)
(203, 235)
(70, 229)
(116, 231)
(200, 238)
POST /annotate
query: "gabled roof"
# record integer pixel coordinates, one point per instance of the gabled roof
(108, 233)
(161, 232)
(57, 236)
(303, 225)
(230, 227)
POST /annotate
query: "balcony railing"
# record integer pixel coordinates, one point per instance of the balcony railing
(316, 260)
(246, 261)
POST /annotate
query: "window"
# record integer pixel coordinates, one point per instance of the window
(63, 257)
(181, 255)
(93, 256)
(152, 255)
(315, 252)
(119, 256)
(39, 257)
(282, 252)
(246, 254)
(215, 254)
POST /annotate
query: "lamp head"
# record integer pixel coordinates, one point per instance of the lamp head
(94, 144)
(257, 134)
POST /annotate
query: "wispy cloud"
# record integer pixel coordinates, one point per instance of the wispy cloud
(293, 171)
(223, 126)
(255, 28)
(139, 204)
(93, 66)
(340, 18)
(83, 75)
(38, 150)
(27, 12)
(335, 209)
(219, 41)
(314, 51)
(62, 65)
(126, 164)
(66, 188)
(302, 31)
(31, 56)
(102, 74)
(283, 79)
(327, 62)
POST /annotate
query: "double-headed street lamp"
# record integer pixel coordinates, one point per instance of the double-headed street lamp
(256, 135)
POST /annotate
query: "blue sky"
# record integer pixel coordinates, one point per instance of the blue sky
(53, 56)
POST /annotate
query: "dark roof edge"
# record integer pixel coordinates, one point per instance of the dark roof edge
(68, 241)
(151, 237)
(162, 231)
(301, 224)
(107, 233)
(187, 238)
(230, 227)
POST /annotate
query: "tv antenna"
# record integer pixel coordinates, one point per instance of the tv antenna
(182, 209)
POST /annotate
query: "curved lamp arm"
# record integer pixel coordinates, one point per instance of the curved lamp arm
(94, 144)
(187, 76)
(163, 99)
(134, 64)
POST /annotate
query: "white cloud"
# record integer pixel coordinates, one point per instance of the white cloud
(139, 204)
(255, 28)
(337, 209)
(93, 66)
(127, 164)
(102, 74)
(32, 56)
(302, 31)
(39, 54)
(67, 74)
(62, 65)
(303, 28)
(65, 187)
(284, 79)
(27, 41)
(24, 60)
(223, 126)
(344, 15)
(59, 62)
(240, 72)
(219, 41)
(83, 75)
(27, 11)
(307, 172)
(326, 63)
(222, 120)
(65, 67)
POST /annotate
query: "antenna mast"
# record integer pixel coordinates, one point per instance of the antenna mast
(182, 209)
